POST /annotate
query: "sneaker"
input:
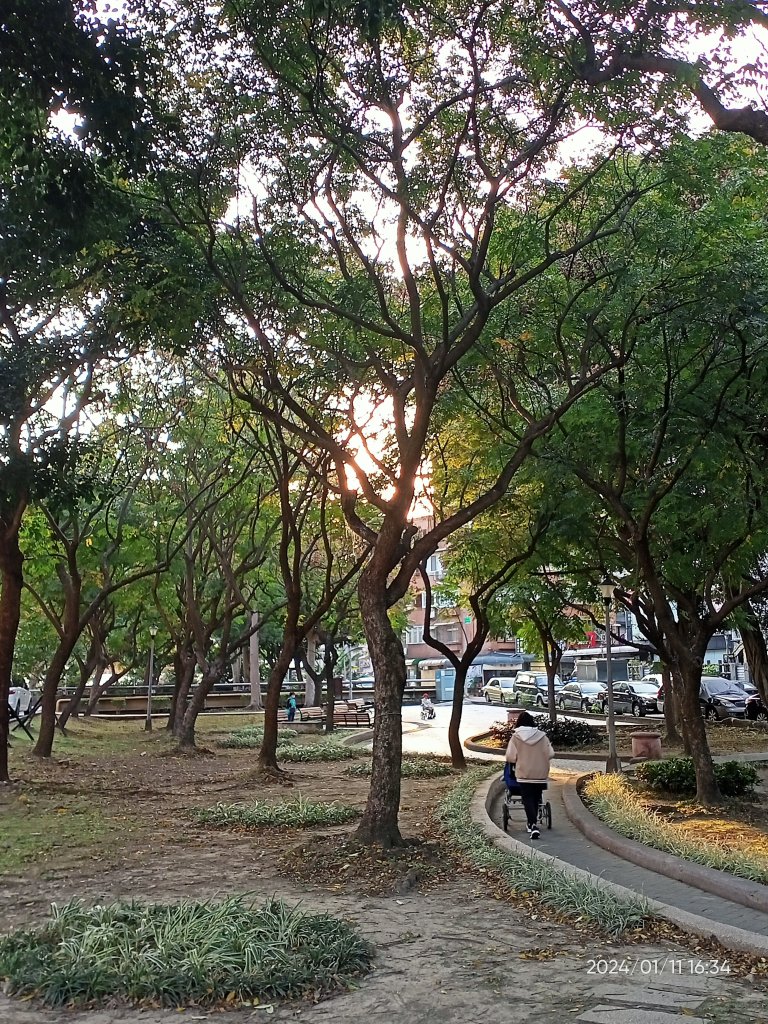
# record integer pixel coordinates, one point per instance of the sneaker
(533, 832)
(529, 828)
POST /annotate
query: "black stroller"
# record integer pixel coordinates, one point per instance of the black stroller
(513, 800)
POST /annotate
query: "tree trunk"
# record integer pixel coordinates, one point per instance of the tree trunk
(186, 732)
(670, 707)
(755, 651)
(187, 678)
(254, 666)
(459, 687)
(178, 672)
(268, 749)
(51, 683)
(378, 825)
(707, 791)
(93, 668)
(11, 582)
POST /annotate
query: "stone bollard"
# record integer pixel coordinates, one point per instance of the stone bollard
(646, 745)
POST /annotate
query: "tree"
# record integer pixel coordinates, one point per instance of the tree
(402, 221)
(677, 435)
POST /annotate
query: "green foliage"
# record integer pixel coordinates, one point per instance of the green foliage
(251, 736)
(613, 801)
(564, 734)
(411, 768)
(325, 750)
(678, 775)
(295, 813)
(532, 875)
(192, 953)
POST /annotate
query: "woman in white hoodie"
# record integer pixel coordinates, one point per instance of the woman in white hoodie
(530, 751)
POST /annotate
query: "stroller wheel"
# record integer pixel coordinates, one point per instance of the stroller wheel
(505, 816)
(546, 815)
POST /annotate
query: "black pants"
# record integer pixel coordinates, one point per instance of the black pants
(530, 794)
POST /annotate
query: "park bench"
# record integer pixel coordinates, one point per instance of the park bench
(312, 714)
(352, 717)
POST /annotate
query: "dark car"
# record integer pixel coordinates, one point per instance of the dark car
(755, 709)
(581, 696)
(632, 698)
(536, 683)
(720, 698)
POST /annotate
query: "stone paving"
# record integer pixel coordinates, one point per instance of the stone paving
(568, 844)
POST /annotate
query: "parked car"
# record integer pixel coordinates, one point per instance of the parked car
(581, 695)
(539, 681)
(720, 698)
(632, 698)
(501, 690)
(756, 710)
(657, 680)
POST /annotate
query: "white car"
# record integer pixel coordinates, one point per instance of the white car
(502, 690)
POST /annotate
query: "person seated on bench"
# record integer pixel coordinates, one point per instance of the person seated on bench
(530, 751)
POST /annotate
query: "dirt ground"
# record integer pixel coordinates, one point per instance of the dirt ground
(446, 951)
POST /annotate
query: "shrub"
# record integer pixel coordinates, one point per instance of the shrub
(563, 734)
(296, 813)
(412, 768)
(526, 873)
(201, 953)
(678, 775)
(612, 799)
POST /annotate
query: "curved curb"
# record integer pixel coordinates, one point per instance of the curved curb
(738, 890)
(471, 743)
(738, 939)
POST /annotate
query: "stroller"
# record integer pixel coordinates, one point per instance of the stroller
(513, 800)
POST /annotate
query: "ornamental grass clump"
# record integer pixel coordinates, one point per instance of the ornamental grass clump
(250, 737)
(324, 750)
(529, 874)
(411, 768)
(224, 953)
(294, 813)
(612, 799)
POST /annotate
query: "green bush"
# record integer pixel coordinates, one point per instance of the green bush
(564, 734)
(678, 775)
(191, 953)
(296, 813)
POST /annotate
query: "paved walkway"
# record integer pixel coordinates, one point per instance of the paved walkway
(568, 844)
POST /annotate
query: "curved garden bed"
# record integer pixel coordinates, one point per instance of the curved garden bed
(619, 818)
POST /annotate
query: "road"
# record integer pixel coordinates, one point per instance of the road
(476, 718)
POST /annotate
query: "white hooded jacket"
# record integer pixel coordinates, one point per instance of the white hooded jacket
(530, 751)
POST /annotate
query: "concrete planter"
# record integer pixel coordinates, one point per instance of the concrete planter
(646, 745)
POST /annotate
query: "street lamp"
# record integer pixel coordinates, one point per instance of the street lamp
(607, 590)
(152, 634)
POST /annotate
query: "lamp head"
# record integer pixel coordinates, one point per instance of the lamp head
(607, 590)
(153, 631)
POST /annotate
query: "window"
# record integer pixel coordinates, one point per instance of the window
(434, 566)
(414, 635)
(449, 634)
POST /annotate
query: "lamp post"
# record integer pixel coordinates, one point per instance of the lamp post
(612, 765)
(152, 634)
